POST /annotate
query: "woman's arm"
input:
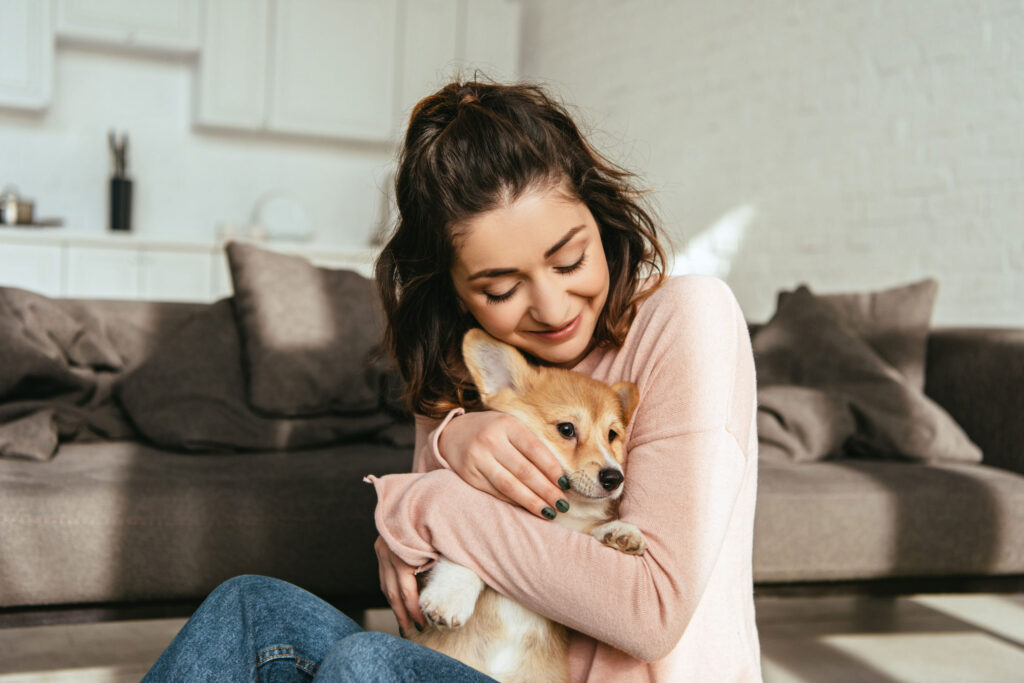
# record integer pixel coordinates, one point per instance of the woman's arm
(689, 446)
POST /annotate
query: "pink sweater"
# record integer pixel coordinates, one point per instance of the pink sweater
(683, 611)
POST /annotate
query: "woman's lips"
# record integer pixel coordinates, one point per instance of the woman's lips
(562, 332)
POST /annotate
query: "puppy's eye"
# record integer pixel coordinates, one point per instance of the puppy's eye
(612, 436)
(566, 429)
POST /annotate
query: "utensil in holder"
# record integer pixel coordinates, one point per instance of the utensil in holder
(120, 203)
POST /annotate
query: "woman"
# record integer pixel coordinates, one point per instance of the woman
(510, 221)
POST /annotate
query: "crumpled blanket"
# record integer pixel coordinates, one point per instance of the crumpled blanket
(58, 363)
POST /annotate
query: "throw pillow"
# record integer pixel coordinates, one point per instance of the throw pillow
(806, 345)
(190, 394)
(895, 322)
(309, 335)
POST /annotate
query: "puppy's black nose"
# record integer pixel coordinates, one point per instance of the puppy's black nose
(610, 479)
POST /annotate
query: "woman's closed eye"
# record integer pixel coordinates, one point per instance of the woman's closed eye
(498, 298)
(564, 270)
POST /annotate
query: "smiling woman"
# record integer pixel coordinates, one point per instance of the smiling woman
(510, 223)
(541, 297)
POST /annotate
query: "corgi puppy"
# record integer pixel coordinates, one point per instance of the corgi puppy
(583, 422)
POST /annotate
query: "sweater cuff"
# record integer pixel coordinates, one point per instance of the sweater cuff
(435, 436)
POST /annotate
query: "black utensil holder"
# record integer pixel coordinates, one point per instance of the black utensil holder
(120, 204)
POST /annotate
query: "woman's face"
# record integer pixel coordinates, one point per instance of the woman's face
(534, 275)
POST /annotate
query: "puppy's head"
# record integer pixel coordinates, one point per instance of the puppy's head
(580, 419)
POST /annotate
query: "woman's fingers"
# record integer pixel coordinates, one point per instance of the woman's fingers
(410, 592)
(537, 468)
(398, 582)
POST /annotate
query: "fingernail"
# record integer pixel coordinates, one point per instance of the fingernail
(562, 504)
(401, 631)
(563, 482)
(418, 627)
(548, 512)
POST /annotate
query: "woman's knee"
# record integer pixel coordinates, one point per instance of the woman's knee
(249, 588)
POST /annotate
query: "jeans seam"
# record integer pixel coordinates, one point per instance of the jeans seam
(285, 652)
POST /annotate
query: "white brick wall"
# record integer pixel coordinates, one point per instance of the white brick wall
(863, 144)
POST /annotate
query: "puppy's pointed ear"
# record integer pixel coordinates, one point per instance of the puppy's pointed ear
(494, 365)
(628, 398)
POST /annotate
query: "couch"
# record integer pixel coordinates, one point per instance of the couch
(149, 451)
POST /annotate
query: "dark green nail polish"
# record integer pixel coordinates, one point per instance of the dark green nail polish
(401, 631)
(548, 512)
(563, 482)
(418, 627)
(562, 504)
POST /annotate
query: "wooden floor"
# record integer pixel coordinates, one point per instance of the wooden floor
(930, 638)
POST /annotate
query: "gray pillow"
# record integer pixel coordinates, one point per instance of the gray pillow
(894, 322)
(189, 394)
(309, 335)
(874, 409)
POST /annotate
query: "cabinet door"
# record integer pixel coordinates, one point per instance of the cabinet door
(175, 275)
(160, 24)
(232, 69)
(428, 51)
(492, 29)
(102, 273)
(31, 266)
(26, 54)
(333, 68)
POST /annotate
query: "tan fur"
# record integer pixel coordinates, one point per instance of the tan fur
(542, 398)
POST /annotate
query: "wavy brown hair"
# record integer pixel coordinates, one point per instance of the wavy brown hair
(472, 147)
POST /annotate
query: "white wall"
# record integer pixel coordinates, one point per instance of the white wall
(186, 180)
(849, 145)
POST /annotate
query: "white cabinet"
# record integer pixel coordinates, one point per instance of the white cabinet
(26, 54)
(232, 69)
(318, 67)
(90, 266)
(349, 69)
(166, 25)
(492, 29)
(166, 275)
(332, 68)
(31, 266)
(428, 51)
(103, 272)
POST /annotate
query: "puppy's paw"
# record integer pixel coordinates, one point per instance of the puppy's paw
(622, 536)
(449, 598)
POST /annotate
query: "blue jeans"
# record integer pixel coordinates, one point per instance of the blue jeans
(254, 628)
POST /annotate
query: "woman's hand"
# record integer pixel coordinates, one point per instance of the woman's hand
(499, 455)
(398, 581)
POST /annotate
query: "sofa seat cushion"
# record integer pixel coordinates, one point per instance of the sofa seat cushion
(851, 519)
(122, 521)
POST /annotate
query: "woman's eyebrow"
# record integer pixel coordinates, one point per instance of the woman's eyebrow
(498, 272)
(562, 242)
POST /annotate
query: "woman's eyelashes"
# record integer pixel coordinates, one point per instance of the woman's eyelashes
(564, 270)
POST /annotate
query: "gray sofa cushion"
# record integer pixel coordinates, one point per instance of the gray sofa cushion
(120, 521)
(846, 520)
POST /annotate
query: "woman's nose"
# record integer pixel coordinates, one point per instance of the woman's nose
(549, 304)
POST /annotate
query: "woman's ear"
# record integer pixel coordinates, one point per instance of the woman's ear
(494, 365)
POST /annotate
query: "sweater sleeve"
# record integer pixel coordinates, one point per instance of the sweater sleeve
(689, 353)
(426, 455)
